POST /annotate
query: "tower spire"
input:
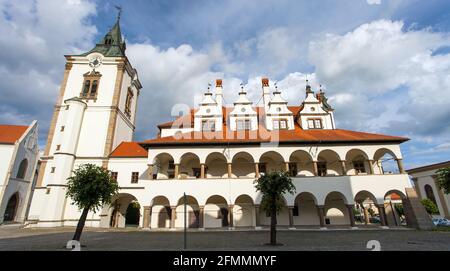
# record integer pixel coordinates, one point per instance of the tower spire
(119, 14)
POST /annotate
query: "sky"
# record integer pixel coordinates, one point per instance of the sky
(384, 64)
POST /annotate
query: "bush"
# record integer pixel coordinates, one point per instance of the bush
(430, 206)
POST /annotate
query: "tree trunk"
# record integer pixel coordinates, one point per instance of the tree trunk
(80, 224)
(273, 223)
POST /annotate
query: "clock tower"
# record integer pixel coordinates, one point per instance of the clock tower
(95, 112)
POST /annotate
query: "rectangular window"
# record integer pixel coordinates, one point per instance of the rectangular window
(114, 176)
(90, 85)
(243, 125)
(128, 102)
(208, 125)
(315, 124)
(359, 167)
(58, 147)
(62, 128)
(134, 177)
(280, 124)
(322, 168)
(53, 170)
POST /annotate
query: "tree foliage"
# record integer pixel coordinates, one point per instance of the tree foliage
(430, 206)
(443, 179)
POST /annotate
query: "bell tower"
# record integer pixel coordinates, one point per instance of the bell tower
(95, 111)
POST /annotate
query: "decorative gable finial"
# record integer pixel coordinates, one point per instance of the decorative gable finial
(119, 9)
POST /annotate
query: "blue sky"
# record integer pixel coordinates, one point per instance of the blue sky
(385, 64)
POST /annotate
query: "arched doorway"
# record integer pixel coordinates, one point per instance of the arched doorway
(329, 163)
(395, 213)
(367, 208)
(161, 213)
(243, 165)
(216, 212)
(193, 213)
(244, 212)
(429, 193)
(11, 208)
(118, 211)
(305, 210)
(336, 212)
(133, 214)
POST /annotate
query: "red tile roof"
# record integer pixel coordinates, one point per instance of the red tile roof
(129, 149)
(9, 134)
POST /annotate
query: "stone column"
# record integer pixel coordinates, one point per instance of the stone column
(230, 216)
(291, 216)
(230, 170)
(257, 175)
(351, 215)
(147, 217)
(316, 170)
(382, 213)
(321, 213)
(173, 216)
(401, 168)
(344, 167)
(177, 171)
(201, 217)
(366, 215)
(257, 216)
(370, 166)
(150, 172)
(286, 164)
(202, 171)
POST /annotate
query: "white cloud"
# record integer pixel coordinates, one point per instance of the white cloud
(374, 2)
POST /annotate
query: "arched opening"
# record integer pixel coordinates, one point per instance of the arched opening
(357, 162)
(243, 165)
(271, 161)
(11, 208)
(192, 213)
(216, 212)
(216, 166)
(301, 164)
(282, 216)
(133, 214)
(366, 208)
(161, 213)
(329, 163)
(305, 210)
(385, 162)
(429, 193)
(164, 167)
(22, 172)
(244, 212)
(117, 212)
(395, 213)
(190, 166)
(336, 212)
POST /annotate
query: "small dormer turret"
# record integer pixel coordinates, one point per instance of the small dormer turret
(209, 116)
(243, 116)
(278, 116)
(316, 112)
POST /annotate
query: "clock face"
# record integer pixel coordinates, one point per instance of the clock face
(95, 62)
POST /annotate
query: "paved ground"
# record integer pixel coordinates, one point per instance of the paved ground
(13, 238)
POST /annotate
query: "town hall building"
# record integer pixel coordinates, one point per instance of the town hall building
(213, 154)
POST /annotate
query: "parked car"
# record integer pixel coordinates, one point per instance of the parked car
(441, 222)
(375, 219)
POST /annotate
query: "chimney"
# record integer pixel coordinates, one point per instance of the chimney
(219, 93)
(266, 93)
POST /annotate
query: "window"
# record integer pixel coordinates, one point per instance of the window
(280, 124)
(128, 103)
(22, 169)
(90, 85)
(58, 147)
(359, 167)
(134, 177)
(314, 123)
(208, 125)
(53, 170)
(114, 176)
(293, 171)
(322, 168)
(295, 210)
(429, 193)
(62, 128)
(243, 125)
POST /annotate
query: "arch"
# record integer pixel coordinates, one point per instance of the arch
(282, 216)
(336, 212)
(301, 162)
(357, 162)
(243, 165)
(365, 195)
(271, 161)
(392, 198)
(11, 208)
(429, 193)
(216, 165)
(216, 212)
(161, 212)
(395, 191)
(133, 214)
(115, 213)
(244, 211)
(22, 171)
(385, 161)
(366, 206)
(193, 212)
(164, 166)
(305, 210)
(189, 166)
(329, 163)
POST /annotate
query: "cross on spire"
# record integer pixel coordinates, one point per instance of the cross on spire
(119, 9)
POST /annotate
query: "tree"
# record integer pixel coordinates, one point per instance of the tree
(273, 186)
(430, 206)
(90, 188)
(443, 179)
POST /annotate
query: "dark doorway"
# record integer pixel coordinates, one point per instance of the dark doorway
(132, 215)
(224, 214)
(11, 208)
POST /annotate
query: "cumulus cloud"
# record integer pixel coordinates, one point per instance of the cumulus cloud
(374, 2)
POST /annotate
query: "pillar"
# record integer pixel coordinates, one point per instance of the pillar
(173, 216)
(370, 166)
(291, 216)
(382, 213)
(321, 213)
(201, 217)
(286, 164)
(230, 216)
(401, 168)
(230, 171)
(202, 171)
(366, 215)
(177, 171)
(150, 172)
(257, 222)
(351, 215)
(316, 170)
(344, 168)
(257, 175)
(147, 217)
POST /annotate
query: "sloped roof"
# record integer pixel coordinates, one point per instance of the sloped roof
(9, 134)
(129, 149)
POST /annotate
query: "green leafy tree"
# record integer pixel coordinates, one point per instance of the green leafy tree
(273, 186)
(430, 206)
(90, 188)
(399, 208)
(443, 179)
